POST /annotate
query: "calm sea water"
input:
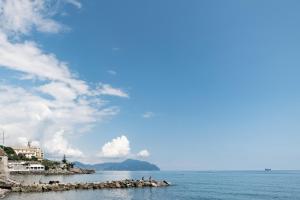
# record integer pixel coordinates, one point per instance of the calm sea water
(227, 185)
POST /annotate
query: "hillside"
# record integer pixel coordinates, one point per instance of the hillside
(127, 165)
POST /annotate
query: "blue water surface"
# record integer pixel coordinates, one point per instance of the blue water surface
(186, 185)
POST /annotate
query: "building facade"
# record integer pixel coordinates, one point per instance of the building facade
(25, 167)
(30, 151)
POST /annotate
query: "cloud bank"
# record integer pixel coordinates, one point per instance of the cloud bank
(47, 102)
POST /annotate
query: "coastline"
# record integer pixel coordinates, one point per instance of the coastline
(55, 186)
(73, 171)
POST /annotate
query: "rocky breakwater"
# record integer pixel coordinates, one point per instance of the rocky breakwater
(56, 186)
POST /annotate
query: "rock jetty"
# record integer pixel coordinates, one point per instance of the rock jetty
(56, 186)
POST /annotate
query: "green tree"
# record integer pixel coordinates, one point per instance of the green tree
(33, 158)
(11, 154)
(22, 156)
(50, 164)
(64, 160)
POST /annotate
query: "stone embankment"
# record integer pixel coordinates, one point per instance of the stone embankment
(55, 172)
(56, 186)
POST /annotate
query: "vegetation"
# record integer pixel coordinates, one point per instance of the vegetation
(67, 165)
(11, 154)
(64, 160)
(50, 164)
(64, 164)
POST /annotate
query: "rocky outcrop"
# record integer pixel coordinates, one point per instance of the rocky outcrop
(81, 171)
(56, 186)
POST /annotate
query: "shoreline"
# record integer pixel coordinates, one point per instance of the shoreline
(54, 172)
(55, 186)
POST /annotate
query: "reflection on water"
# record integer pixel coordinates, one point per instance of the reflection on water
(110, 194)
(98, 177)
(115, 194)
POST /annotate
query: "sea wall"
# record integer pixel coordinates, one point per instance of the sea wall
(54, 186)
(55, 172)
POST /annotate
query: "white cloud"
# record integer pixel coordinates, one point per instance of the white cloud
(26, 57)
(23, 142)
(106, 89)
(112, 72)
(118, 147)
(148, 114)
(75, 3)
(59, 91)
(48, 103)
(58, 145)
(144, 153)
(35, 143)
(20, 16)
(29, 115)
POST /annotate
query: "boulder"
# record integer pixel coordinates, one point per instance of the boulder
(118, 185)
(75, 170)
(3, 192)
(153, 184)
(16, 189)
(139, 184)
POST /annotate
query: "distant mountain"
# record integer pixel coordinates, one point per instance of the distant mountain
(127, 165)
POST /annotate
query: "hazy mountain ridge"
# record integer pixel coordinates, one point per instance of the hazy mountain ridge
(127, 165)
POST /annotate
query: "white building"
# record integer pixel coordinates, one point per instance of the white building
(30, 151)
(36, 167)
(25, 167)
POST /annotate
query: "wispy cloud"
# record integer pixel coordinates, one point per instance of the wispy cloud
(28, 58)
(75, 3)
(59, 104)
(106, 89)
(21, 16)
(148, 114)
(112, 72)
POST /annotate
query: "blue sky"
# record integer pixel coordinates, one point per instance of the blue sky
(218, 79)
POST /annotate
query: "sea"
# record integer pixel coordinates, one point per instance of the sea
(186, 185)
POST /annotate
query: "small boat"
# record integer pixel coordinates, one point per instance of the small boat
(268, 170)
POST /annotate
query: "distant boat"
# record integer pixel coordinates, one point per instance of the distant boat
(268, 170)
